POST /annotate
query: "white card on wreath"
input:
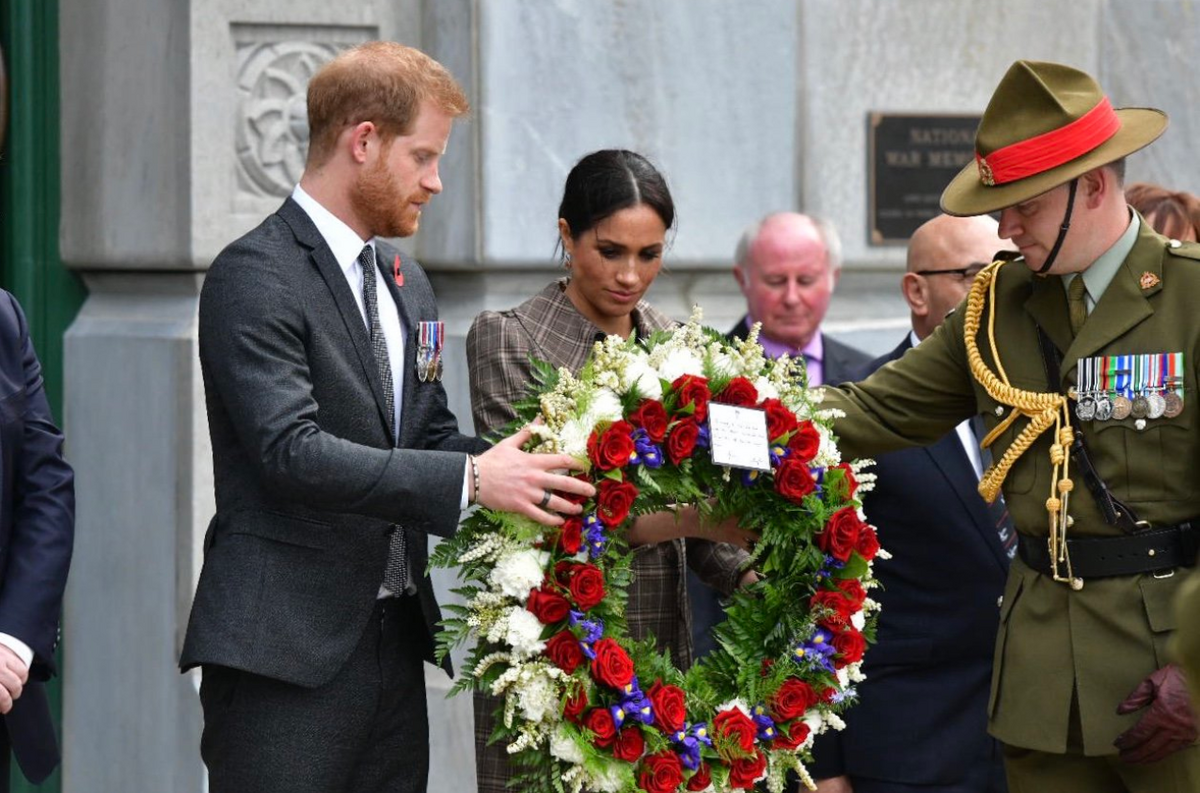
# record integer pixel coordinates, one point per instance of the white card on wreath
(739, 437)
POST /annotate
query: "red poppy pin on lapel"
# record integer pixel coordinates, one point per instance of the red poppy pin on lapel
(1148, 280)
(398, 276)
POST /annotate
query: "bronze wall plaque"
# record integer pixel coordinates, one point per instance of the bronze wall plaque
(911, 159)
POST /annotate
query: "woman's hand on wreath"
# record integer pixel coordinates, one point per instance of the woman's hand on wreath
(728, 530)
(511, 480)
(835, 784)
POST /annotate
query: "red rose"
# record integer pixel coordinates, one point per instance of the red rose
(848, 477)
(652, 417)
(570, 536)
(745, 771)
(795, 734)
(600, 721)
(780, 420)
(805, 443)
(612, 665)
(792, 699)
(613, 448)
(547, 605)
(836, 602)
(575, 705)
(630, 745)
(661, 773)
(682, 440)
(850, 645)
(670, 711)
(614, 500)
(586, 585)
(692, 390)
(793, 481)
(740, 392)
(564, 651)
(827, 694)
(840, 535)
(701, 779)
(868, 543)
(734, 727)
(853, 590)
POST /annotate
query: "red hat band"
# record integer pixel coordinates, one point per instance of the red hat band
(1050, 149)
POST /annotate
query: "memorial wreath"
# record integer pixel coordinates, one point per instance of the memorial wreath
(584, 706)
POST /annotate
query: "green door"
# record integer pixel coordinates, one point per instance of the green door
(29, 212)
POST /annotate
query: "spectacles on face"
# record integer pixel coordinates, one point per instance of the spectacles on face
(967, 273)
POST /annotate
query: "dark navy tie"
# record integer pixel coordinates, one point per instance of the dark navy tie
(395, 575)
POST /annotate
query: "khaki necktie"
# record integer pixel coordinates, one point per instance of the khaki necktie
(1077, 303)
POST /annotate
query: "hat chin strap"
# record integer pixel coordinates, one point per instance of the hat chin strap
(1062, 233)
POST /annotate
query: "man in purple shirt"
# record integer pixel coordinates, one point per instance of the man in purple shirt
(787, 266)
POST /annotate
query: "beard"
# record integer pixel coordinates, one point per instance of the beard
(378, 200)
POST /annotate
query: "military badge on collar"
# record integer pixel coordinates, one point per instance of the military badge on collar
(1149, 280)
(430, 340)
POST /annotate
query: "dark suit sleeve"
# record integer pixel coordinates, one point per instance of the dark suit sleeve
(253, 332)
(43, 513)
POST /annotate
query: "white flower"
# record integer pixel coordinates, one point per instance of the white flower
(816, 724)
(605, 405)
(766, 389)
(563, 746)
(856, 672)
(724, 364)
(858, 619)
(573, 438)
(518, 572)
(738, 704)
(640, 373)
(843, 678)
(680, 361)
(524, 633)
(608, 779)
(537, 698)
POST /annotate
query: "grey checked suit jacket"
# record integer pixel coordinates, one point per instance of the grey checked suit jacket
(308, 482)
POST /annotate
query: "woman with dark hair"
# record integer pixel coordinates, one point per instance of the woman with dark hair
(1172, 213)
(612, 223)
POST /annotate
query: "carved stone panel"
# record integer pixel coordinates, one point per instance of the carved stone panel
(274, 65)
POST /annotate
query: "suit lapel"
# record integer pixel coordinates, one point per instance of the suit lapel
(335, 280)
(949, 456)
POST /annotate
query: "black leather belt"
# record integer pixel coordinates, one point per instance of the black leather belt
(1152, 550)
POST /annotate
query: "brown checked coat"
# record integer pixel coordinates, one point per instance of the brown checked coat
(550, 328)
(1103, 640)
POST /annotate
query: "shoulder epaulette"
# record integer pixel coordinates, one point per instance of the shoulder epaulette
(1187, 250)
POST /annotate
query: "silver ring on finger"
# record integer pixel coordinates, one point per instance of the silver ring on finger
(546, 495)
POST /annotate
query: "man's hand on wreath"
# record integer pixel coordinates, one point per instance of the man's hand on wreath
(1169, 723)
(511, 480)
(748, 578)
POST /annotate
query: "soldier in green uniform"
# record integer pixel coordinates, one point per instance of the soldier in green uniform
(1080, 354)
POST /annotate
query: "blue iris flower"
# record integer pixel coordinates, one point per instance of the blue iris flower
(645, 452)
(703, 439)
(765, 724)
(596, 538)
(750, 478)
(779, 453)
(817, 651)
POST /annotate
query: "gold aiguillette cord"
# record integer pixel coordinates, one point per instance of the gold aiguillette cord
(1044, 410)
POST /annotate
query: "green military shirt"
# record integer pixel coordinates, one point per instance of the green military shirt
(1104, 639)
(1187, 638)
